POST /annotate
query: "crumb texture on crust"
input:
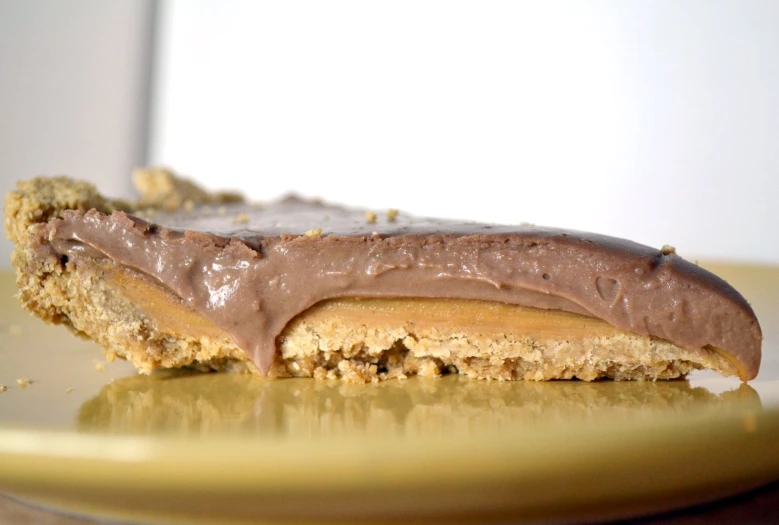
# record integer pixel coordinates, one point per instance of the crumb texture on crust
(27, 210)
(41, 199)
(38, 200)
(161, 188)
(330, 347)
(46, 287)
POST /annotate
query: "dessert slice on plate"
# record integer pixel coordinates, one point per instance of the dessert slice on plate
(301, 288)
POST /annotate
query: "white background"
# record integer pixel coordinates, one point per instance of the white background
(655, 120)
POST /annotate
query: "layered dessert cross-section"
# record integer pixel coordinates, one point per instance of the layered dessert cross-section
(186, 278)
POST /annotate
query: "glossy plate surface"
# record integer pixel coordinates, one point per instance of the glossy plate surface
(95, 438)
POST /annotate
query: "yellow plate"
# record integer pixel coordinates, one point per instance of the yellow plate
(94, 438)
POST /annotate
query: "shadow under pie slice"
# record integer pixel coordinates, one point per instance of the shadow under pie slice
(302, 288)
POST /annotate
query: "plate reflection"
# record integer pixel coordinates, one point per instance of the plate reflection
(214, 404)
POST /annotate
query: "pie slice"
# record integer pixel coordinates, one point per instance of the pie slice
(186, 278)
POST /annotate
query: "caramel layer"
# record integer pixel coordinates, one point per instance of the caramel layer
(168, 311)
(470, 316)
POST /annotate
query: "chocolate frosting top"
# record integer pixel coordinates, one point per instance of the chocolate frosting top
(251, 269)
